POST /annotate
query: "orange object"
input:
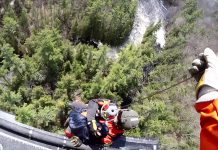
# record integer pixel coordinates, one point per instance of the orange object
(68, 133)
(209, 124)
(113, 133)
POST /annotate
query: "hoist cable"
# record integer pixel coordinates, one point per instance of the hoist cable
(163, 90)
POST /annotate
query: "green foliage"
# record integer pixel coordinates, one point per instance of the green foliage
(27, 114)
(67, 85)
(191, 11)
(164, 115)
(10, 31)
(107, 21)
(9, 100)
(47, 50)
(11, 64)
(40, 69)
(40, 113)
(10, 26)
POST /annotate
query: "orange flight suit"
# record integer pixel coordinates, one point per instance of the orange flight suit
(113, 133)
(209, 124)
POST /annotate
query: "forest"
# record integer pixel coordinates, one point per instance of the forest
(46, 54)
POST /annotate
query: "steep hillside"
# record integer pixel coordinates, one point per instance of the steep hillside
(48, 50)
(206, 32)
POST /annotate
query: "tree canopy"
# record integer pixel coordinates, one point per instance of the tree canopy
(43, 61)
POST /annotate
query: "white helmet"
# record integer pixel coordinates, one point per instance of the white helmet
(109, 111)
(128, 119)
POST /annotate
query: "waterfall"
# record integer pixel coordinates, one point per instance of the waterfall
(147, 12)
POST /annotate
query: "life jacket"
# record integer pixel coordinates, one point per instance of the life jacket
(113, 133)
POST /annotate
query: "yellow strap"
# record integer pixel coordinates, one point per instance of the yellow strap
(106, 102)
(84, 113)
(94, 124)
(201, 82)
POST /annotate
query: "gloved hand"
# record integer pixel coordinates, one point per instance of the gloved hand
(198, 67)
(94, 128)
(205, 71)
(76, 141)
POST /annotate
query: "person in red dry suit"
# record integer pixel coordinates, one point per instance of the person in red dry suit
(116, 120)
(126, 119)
(205, 71)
